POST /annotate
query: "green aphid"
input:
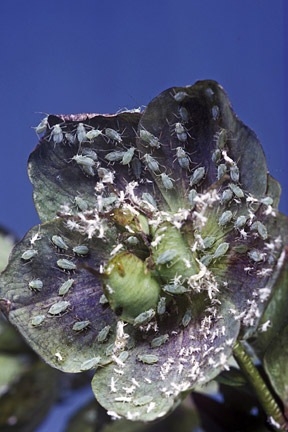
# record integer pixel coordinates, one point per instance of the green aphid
(37, 320)
(65, 264)
(167, 181)
(166, 256)
(191, 197)
(59, 242)
(267, 201)
(109, 350)
(103, 334)
(81, 203)
(113, 135)
(115, 156)
(80, 325)
(240, 222)
(221, 250)
(59, 307)
(261, 229)
(216, 156)
(227, 196)
(88, 170)
(149, 199)
(187, 318)
(143, 400)
(36, 285)
(84, 161)
(236, 190)
(206, 259)
(175, 289)
(256, 255)
(234, 173)
(241, 248)
(128, 155)
(123, 356)
(81, 250)
(92, 363)
(225, 218)
(160, 340)
(161, 306)
(29, 254)
(144, 317)
(103, 300)
(180, 96)
(89, 152)
(148, 358)
(197, 176)
(132, 240)
(208, 242)
(221, 171)
(109, 200)
(65, 287)
(151, 162)
(221, 138)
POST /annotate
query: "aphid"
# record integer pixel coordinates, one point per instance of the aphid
(81, 203)
(221, 171)
(132, 240)
(109, 350)
(36, 284)
(144, 317)
(88, 170)
(90, 364)
(90, 153)
(29, 254)
(123, 356)
(187, 318)
(65, 264)
(166, 256)
(136, 167)
(225, 218)
(84, 161)
(234, 173)
(180, 132)
(256, 255)
(160, 340)
(240, 222)
(81, 133)
(115, 156)
(184, 114)
(161, 306)
(208, 242)
(152, 163)
(59, 242)
(59, 307)
(191, 197)
(93, 133)
(143, 400)
(150, 139)
(103, 300)
(241, 248)
(227, 195)
(65, 287)
(81, 250)
(216, 156)
(127, 156)
(42, 126)
(215, 112)
(80, 325)
(182, 157)
(180, 96)
(57, 134)
(221, 250)
(206, 259)
(221, 138)
(106, 175)
(175, 289)
(197, 176)
(103, 334)
(236, 190)
(261, 229)
(70, 138)
(149, 199)
(267, 201)
(113, 135)
(166, 181)
(37, 320)
(148, 358)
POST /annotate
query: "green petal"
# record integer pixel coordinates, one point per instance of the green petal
(52, 336)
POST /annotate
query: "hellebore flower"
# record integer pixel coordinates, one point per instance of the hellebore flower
(160, 245)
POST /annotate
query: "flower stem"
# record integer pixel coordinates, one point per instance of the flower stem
(265, 397)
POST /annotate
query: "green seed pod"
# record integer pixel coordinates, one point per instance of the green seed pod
(59, 242)
(130, 293)
(148, 358)
(160, 340)
(36, 284)
(59, 307)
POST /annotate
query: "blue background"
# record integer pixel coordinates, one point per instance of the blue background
(96, 56)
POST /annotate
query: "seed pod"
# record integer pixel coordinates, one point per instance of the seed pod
(234, 173)
(208, 242)
(197, 176)
(236, 190)
(113, 135)
(36, 284)
(227, 195)
(65, 264)
(175, 289)
(166, 256)
(81, 203)
(59, 242)
(59, 307)
(148, 358)
(240, 222)
(81, 250)
(37, 320)
(161, 306)
(225, 218)
(29, 254)
(221, 250)
(160, 340)
(92, 363)
(144, 317)
(221, 171)
(187, 318)
(80, 325)
(65, 287)
(103, 334)
(261, 229)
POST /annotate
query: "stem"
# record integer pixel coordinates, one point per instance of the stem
(260, 388)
